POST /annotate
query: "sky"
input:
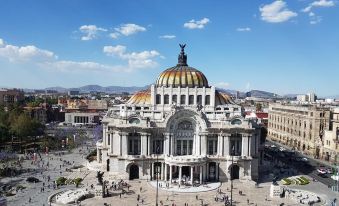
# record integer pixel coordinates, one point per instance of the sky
(281, 46)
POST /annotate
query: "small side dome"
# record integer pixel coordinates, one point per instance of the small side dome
(222, 98)
(141, 97)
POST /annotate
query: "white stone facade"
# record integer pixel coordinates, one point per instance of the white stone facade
(176, 133)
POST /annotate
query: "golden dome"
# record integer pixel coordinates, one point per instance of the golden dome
(182, 75)
(141, 97)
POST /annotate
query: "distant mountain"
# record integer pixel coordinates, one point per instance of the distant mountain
(59, 89)
(98, 88)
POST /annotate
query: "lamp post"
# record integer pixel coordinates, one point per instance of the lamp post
(156, 175)
(232, 154)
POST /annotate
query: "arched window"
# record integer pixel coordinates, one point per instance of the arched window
(174, 99)
(207, 100)
(199, 99)
(158, 99)
(166, 99)
(182, 99)
(191, 99)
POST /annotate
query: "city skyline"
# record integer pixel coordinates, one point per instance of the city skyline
(238, 45)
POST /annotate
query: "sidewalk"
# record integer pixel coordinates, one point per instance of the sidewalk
(322, 162)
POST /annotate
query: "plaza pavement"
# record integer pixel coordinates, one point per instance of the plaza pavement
(255, 195)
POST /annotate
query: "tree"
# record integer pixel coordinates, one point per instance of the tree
(23, 126)
(258, 107)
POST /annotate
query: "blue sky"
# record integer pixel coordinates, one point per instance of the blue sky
(278, 46)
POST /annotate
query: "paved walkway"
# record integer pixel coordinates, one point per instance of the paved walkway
(186, 189)
(256, 196)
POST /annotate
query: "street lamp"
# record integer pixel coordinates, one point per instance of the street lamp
(232, 154)
(157, 174)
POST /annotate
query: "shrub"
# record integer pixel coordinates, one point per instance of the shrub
(61, 181)
(286, 181)
(77, 181)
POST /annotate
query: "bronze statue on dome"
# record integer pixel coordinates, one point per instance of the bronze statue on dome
(182, 46)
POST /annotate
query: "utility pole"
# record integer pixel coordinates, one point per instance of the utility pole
(232, 154)
(157, 175)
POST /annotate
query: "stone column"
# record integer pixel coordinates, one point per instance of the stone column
(111, 140)
(166, 143)
(200, 176)
(162, 171)
(170, 166)
(148, 145)
(124, 148)
(172, 145)
(191, 174)
(204, 172)
(203, 144)
(249, 145)
(227, 145)
(219, 145)
(180, 174)
(143, 144)
(165, 171)
(244, 146)
(152, 173)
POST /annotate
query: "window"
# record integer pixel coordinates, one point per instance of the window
(207, 100)
(158, 99)
(199, 99)
(182, 99)
(174, 99)
(191, 99)
(166, 99)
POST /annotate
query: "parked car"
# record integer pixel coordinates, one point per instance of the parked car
(322, 171)
(329, 170)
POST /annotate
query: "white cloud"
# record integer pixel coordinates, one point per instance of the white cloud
(25, 53)
(114, 35)
(73, 66)
(90, 32)
(320, 3)
(276, 12)
(167, 36)
(244, 29)
(223, 84)
(32, 55)
(193, 24)
(129, 29)
(311, 14)
(315, 19)
(144, 59)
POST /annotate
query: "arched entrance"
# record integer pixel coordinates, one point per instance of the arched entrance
(234, 172)
(212, 171)
(107, 164)
(133, 172)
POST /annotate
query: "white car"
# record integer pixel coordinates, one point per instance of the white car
(322, 171)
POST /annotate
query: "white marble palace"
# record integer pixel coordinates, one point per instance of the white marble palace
(180, 130)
